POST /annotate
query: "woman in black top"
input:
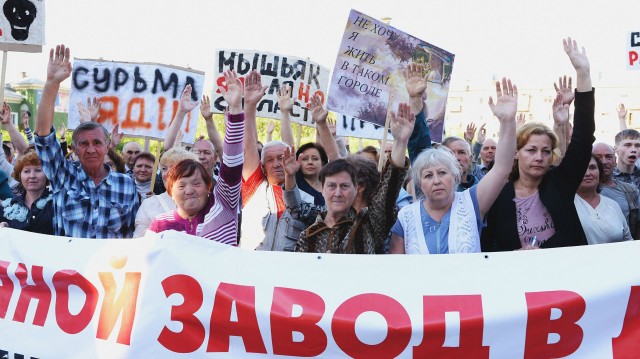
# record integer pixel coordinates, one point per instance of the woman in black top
(535, 209)
(32, 210)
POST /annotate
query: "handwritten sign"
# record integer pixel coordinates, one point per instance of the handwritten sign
(633, 46)
(369, 68)
(305, 77)
(142, 97)
(22, 25)
(348, 126)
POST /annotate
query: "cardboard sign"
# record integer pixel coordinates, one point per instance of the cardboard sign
(306, 78)
(22, 25)
(142, 97)
(369, 68)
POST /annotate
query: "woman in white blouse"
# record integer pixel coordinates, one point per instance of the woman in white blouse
(601, 217)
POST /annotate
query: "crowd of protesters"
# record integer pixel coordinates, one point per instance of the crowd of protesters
(532, 187)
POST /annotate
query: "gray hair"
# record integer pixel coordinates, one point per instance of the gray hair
(176, 154)
(441, 156)
(451, 139)
(270, 144)
(88, 126)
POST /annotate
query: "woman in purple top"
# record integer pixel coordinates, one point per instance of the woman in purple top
(201, 211)
(189, 185)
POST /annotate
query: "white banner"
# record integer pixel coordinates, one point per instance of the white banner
(22, 25)
(306, 78)
(142, 97)
(173, 295)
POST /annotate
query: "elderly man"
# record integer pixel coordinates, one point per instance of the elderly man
(129, 152)
(90, 200)
(625, 194)
(265, 223)
(462, 151)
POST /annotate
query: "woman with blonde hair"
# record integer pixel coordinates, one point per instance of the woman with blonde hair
(535, 209)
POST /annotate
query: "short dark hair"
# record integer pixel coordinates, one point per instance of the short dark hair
(367, 175)
(6, 149)
(323, 154)
(337, 166)
(600, 173)
(144, 155)
(186, 168)
(88, 126)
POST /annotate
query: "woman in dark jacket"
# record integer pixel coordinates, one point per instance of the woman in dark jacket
(536, 207)
(32, 210)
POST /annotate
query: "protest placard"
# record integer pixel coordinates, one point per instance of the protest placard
(142, 97)
(348, 126)
(22, 25)
(171, 295)
(306, 79)
(369, 67)
(633, 46)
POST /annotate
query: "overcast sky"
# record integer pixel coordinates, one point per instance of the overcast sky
(519, 39)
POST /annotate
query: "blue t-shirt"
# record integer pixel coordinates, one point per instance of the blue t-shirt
(437, 233)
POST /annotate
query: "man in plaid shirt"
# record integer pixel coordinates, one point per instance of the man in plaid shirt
(90, 200)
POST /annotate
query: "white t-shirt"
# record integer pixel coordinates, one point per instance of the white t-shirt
(603, 224)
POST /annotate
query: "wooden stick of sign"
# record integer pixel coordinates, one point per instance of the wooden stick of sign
(147, 143)
(2, 79)
(387, 122)
(155, 166)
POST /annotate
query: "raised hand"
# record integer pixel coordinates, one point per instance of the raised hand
(291, 165)
(285, 102)
(470, 133)
(271, 125)
(415, 82)
(402, 123)
(578, 59)
(25, 119)
(506, 104)
(482, 134)
(178, 142)
(85, 116)
(318, 113)
(565, 89)
(116, 137)
(93, 105)
(521, 120)
(59, 67)
(560, 110)
(233, 93)
(622, 112)
(253, 89)
(205, 108)
(5, 114)
(62, 130)
(185, 104)
(332, 126)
